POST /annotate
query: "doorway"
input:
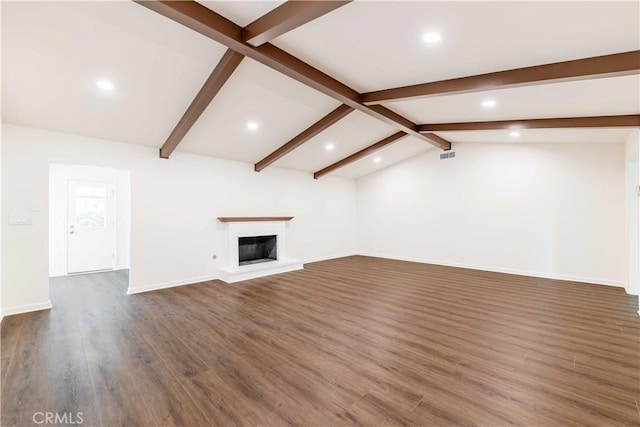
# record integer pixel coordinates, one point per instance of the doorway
(91, 226)
(89, 219)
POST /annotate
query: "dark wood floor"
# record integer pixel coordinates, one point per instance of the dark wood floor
(353, 341)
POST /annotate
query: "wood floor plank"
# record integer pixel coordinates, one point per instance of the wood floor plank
(352, 341)
(10, 333)
(22, 381)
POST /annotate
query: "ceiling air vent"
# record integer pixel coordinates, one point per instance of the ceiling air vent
(447, 155)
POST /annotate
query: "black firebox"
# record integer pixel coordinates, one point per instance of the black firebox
(255, 249)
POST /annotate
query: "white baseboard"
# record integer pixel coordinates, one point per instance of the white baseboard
(147, 288)
(87, 272)
(173, 284)
(569, 278)
(328, 257)
(26, 308)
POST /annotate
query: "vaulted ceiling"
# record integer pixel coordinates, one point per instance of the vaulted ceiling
(53, 53)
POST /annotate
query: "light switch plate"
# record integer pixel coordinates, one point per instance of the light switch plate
(20, 220)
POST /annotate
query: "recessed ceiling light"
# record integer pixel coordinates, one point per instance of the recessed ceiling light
(377, 160)
(431, 37)
(105, 85)
(329, 147)
(514, 134)
(252, 125)
(489, 103)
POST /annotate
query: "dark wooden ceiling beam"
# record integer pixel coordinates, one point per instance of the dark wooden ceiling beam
(360, 154)
(307, 134)
(618, 64)
(210, 24)
(218, 77)
(286, 17)
(631, 120)
(437, 139)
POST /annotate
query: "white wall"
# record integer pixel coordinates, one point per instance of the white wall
(1, 216)
(1, 228)
(549, 210)
(633, 212)
(174, 206)
(59, 178)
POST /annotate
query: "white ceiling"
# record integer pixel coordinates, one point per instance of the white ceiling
(567, 136)
(611, 96)
(281, 106)
(477, 37)
(348, 136)
(242, 12)
(52, 53)
(391, 154)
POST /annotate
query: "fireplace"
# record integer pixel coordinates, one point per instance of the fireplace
(257, 249)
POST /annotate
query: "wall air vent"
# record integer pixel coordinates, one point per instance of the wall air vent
(447, 155)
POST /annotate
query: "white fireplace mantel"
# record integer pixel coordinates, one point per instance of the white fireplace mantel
(256, 226)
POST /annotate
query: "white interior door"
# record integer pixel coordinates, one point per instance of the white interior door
(91, 232)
